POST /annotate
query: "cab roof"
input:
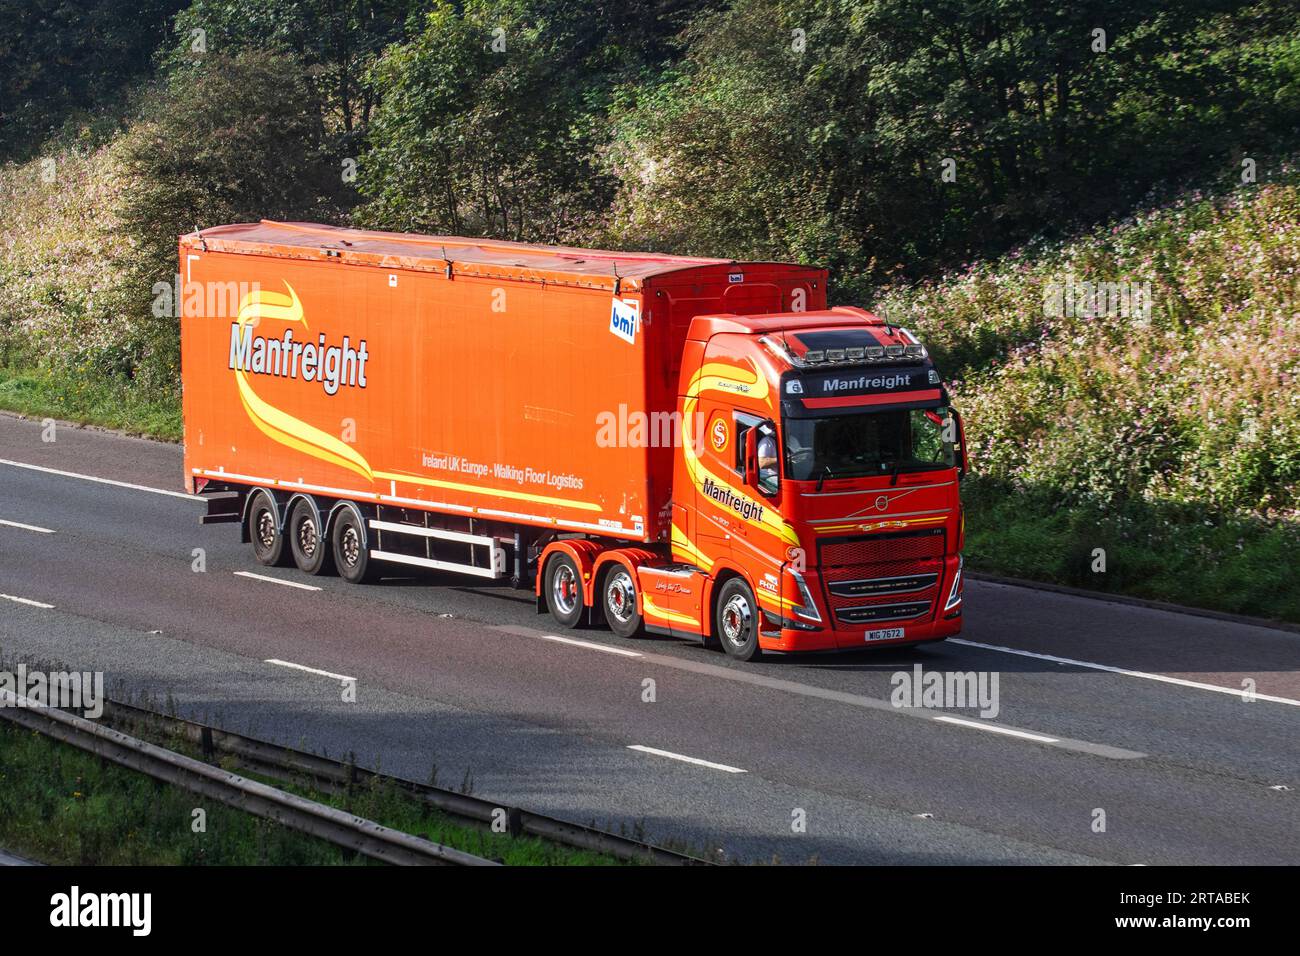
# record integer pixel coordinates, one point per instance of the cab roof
(836, 327)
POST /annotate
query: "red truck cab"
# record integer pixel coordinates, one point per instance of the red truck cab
(815, 500)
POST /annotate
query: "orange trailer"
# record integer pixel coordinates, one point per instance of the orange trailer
(611, 429)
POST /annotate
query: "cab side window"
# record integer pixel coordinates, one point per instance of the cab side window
(769, 453)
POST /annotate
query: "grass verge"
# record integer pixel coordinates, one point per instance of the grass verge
(61, 805)
(1184, 555)
(44, 393)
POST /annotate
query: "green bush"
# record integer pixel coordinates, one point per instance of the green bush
(1194, 404)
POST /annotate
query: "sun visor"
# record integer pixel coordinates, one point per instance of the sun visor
(809, 394)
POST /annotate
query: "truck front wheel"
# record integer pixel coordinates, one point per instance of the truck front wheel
(735, 620)
(348, 541)
(563, 589)
(264, 530)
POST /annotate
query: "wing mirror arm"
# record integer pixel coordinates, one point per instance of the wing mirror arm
(963, 461)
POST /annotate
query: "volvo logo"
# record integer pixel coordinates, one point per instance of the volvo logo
(882, 502)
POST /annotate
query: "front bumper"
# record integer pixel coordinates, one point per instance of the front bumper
(945, 621)
(842, 640)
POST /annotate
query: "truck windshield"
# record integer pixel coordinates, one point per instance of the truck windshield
(872, 443)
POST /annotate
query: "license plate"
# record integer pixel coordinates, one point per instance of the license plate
(886, 634)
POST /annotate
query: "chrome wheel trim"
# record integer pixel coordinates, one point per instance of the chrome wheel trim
(736, 619)
(564, 589)
(620, 596)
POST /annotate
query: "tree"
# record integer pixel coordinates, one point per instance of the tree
(336, 40)
(494, 116)
(61, 56)
(891, 137)
(239, 141)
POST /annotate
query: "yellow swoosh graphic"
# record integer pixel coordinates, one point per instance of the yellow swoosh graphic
(279, 425)
(715, 376)
(675, 617)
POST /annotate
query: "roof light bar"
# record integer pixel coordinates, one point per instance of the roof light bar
(859, 355)
(846, 356)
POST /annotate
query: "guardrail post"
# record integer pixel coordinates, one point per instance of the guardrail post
(209, 748)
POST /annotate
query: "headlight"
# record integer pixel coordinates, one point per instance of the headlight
(954, 595)
(807, 608)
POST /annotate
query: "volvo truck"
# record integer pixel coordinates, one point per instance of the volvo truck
(686, 446)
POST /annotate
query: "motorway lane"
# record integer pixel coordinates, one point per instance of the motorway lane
(547, 725)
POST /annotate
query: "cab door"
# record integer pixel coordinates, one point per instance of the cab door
(722, 474)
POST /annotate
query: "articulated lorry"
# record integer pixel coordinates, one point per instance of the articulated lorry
(687, 446)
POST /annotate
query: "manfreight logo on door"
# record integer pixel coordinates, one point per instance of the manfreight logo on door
(625, 320)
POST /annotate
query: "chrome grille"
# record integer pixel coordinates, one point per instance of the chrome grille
(883, 577)
(875, 613)
(867, 587)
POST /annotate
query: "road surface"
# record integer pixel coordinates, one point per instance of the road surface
(1122, 733)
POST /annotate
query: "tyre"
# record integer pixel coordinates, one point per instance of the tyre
(735, 620)
(618, 601)
(264, 531)
(563, 589)
(348, 544)
(312, 551)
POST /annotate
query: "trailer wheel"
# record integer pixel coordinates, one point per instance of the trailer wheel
(735, 620)
(348, 543)
(312, 551)
(563, 590)
(264, 531)
(618, 595)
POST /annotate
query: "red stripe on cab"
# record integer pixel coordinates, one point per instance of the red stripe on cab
(886, 398)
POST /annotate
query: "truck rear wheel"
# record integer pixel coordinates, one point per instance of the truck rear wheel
(312, 551)
(264, 530)
(735, 620)
(563, 590)
(348, 542)
(619, 601)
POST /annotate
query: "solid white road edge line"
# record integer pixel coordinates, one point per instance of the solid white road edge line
(591, 646)
(102, 481)
(309, 670)
(10, 597)
(995, 729)
(1180, 682)
(288, 584)
(26, 527)
(695, 760)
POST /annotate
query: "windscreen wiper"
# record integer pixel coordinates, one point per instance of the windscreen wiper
(826, 472)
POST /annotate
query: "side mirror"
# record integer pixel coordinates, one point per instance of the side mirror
(751, 457)
(963, 461)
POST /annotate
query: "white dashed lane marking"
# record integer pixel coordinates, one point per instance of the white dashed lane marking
(309, 670)
(271, 580)
(26, 527)
(684, 759)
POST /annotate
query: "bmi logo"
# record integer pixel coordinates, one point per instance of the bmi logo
(625, 319)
